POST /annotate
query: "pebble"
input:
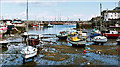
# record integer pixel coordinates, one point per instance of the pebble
(88, 63)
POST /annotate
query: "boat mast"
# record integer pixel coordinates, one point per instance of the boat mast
(100, 15)
(27, 21)
(0, 10)
(27, 15)
(80, 30)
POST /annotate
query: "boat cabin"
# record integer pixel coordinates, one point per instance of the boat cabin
(33, 40)
(17, 21)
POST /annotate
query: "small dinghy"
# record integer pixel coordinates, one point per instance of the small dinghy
(118, 40)
(28, 52)
(99, 39)
(62, 35)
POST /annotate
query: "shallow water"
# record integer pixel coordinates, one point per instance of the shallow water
(59, 52)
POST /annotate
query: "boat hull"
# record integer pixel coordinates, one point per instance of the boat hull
(118, 42)
(62, 37)
(77, 43)
(4, 44)
(29, 55)
(111, 35)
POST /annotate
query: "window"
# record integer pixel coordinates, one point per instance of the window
(111, 15)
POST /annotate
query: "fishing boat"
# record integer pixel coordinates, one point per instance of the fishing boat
(62, 35)
(77, 39)
(118, 40)
(111, 34)
(99, 39)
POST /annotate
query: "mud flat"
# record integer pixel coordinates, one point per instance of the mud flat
(106, 49)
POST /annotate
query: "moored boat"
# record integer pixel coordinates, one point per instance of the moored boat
(34, 25)
(18, 23)
(99, 39)
(3, 43)
(62, 35)
(49, 25)
(75, 41)
(111, 34)
(28, 52)
(118, 40)
(115, 26)
(3, 28)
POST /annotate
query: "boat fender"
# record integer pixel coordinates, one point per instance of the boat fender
(69, 41)
(84, 51)
(116, 49)
(77, 44)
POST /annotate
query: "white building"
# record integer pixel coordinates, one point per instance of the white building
(111, 14)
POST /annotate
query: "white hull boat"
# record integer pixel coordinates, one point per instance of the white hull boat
(118, 40)
(29, 52)
(100, 39)
(4, 43)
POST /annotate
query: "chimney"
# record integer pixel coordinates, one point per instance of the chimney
(119, 4)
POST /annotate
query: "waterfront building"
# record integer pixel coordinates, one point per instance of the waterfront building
(112, 16)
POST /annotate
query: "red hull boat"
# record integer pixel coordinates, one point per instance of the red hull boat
(112, 34)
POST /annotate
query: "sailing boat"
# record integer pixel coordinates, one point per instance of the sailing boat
(28, 51)
(77, 40)
(100, 38)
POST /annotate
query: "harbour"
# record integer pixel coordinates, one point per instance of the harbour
(62, 41)
(60, 52)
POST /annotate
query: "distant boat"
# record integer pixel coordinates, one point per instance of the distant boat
(3, 28)
(18, 23)
(9, 24)
(49, 25)
(118, 40)
(35, 25)
(62, 35)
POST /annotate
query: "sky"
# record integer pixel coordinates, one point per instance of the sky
(49, 10)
